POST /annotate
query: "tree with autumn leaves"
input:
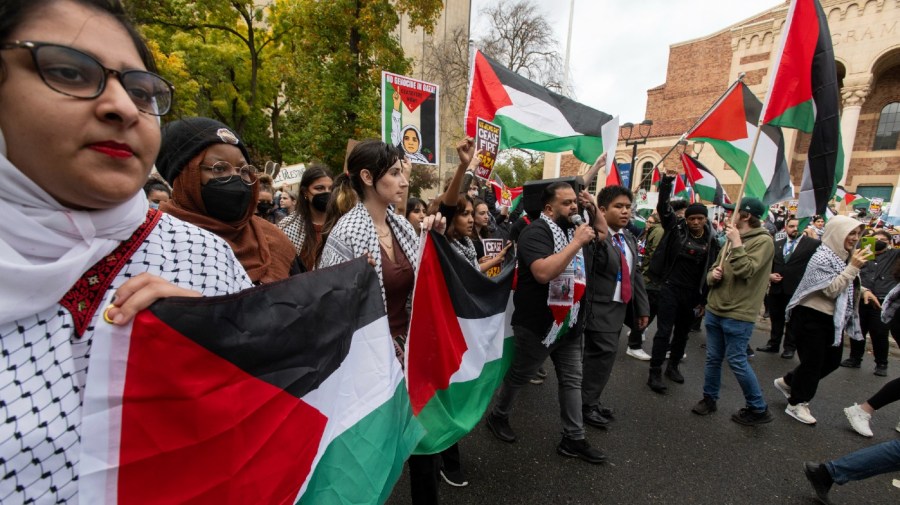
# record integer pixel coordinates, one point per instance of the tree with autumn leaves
(295, 78)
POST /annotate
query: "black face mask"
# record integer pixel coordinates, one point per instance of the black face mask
(226, 201)
(320, 201)
(264, 208)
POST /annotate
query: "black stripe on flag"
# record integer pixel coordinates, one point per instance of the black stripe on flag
(473, 294)
(292, 334)
(780, 188)
(583, 119)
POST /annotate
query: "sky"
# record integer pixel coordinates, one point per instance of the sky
(620, 48)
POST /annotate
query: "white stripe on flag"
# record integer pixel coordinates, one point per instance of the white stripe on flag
(484, 339)
(536, 114)
(766, 156)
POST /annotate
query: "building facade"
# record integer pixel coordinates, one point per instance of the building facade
(866, 38)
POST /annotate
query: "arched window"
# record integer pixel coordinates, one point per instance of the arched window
(888, 128)
(646, 176)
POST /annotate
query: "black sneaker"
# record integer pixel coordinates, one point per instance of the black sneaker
(705, 407)
(500, 427)
(851, 363)
(594, 418)
(747, 417)
(881, 370)
(750, 353)
(455, 479)
(819, 479)
(674, 375)
(580, 449)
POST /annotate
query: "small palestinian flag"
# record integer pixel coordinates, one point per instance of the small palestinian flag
(842, 195)
(531, 116)
(679, 190)
(460, 343)
(510, 197)
(654, 179)
(730, 127)
(286, 393)
(703, 181)
(804, 93)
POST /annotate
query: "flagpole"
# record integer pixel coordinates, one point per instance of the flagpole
(705, 115)
(736, 212)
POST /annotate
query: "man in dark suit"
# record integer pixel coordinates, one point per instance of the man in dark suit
(792, 253)
(614, 280)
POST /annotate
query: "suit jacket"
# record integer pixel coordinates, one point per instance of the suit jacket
(603, 270)
(792, 270)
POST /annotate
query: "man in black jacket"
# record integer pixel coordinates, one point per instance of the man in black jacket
(679, 265)
(792, 253)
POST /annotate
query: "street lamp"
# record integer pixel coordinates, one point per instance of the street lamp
(627, 134)
(697, 148)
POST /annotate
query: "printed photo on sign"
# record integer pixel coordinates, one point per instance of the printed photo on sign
(487, 140)
(562, 289)
(875, 205)
(409, 117)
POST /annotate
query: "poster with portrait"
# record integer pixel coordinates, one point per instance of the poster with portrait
(793, 205)
(487, 142)
(410, 117)
(875, 206)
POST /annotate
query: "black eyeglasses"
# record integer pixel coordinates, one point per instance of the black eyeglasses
(248, 173)
(79, 75)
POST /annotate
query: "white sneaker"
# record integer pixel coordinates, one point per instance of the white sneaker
(783, 387)
(859, 420)
(638, 354)
(801, 413)
(669, 355)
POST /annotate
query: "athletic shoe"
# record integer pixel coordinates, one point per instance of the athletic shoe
(801, 413)
(500, 428)
(851, 363)
(638, 354)
(881, 370)
(859, 420)
(580, 449)
(705, 407)
(782, 386)
(819, 479)
(455, 479)
(747, 417)
(669, 355)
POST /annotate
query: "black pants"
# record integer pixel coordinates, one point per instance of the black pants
(778, 303)
(673, 323)
(814, 332)
(889, 393)
(870, 324)
(424, 477)
(635, 338)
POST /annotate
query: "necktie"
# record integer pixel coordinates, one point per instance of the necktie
(624, 272)
(789, 248)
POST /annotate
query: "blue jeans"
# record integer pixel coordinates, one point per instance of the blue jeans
(865, 463)
(728, 338)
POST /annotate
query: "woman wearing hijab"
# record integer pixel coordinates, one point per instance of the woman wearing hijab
(411, 144)
(825, 305)
(304, 225)
(215, 187)
(75, 150)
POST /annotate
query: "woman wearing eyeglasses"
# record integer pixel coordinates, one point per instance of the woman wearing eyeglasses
(79, 102)
(215, 187)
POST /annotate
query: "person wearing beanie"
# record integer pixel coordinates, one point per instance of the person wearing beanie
(737, 287)
(678, 268)
(824, 307)
(215, 187)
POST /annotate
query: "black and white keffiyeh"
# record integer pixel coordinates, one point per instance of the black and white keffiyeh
(466, 249)
(354, 235)
(295, 228)
(560, 238)
(823, 267)
(889, 307)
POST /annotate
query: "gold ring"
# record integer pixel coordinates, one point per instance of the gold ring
(106, 313)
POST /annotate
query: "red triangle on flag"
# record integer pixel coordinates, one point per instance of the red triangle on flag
(690, 169)
(679, 185)
(612, 178)
(727, 121)
(654, 179)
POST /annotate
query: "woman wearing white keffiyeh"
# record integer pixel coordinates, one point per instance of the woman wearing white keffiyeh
(824, 306)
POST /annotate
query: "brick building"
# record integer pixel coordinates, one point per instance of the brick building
(866, 38)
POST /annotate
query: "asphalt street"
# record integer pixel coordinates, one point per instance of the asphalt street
(659, 452)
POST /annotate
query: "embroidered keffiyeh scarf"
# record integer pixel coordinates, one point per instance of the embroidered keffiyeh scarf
(354, 235)
(466, 249)
(295, 228)
(889, 307)
(566, 291)
(823, 267)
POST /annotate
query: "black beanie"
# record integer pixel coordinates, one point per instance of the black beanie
(694, 209)
(185, 138)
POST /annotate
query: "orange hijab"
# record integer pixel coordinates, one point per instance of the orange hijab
(264, 251)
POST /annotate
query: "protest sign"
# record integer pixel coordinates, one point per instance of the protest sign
(792, 207)
(492, 247)
(409, 117)
(487, 140)
(875, 206)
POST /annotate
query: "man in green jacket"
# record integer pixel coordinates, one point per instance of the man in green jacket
(737, 287)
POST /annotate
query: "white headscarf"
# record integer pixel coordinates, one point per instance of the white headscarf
(45, 247)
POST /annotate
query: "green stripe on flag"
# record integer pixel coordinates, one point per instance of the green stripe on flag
(736, 158)
(353, 469)
(479, 391)
(516, 134)
(800, 117)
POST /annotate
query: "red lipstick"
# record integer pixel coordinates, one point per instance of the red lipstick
(113, 149)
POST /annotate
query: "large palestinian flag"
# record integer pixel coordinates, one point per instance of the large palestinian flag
(804, 94)
(531, 116)
(459, 344)
(730, 127)
(287, 393)
(705, 184)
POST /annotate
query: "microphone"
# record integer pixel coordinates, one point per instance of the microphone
(576, 220)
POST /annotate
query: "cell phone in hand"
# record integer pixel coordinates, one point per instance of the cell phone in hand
(868, 244)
